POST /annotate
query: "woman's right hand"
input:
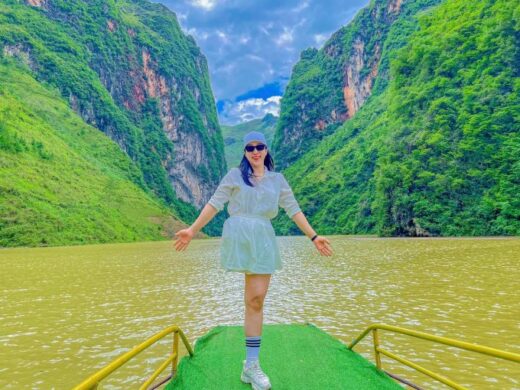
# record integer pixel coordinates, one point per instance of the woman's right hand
(184, 237)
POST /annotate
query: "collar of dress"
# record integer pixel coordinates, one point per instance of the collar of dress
(267, 173)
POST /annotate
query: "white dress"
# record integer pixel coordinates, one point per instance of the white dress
(248, 241)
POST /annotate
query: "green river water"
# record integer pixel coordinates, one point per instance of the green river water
(67, 311)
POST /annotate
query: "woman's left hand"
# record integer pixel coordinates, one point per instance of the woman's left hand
(323, 245)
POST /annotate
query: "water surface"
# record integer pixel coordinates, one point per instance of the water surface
(68, 311)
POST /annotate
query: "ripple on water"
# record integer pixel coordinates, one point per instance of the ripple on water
(68, 311)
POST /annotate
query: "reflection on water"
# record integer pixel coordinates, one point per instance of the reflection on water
(68, 311)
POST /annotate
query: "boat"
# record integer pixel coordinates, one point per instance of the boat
(295, 356)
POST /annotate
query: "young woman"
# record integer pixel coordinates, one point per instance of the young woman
(248, 244)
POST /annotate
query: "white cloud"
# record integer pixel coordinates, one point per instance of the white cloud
(198, 35)
(226, 69)
(223, 36)
(207, 5)
(286, 37)
(320, 39)
(300, 7)
(246, 110)
(273, 30)
(182, 16)
(255, 57)
(276, 100)
(264, 30)
(244, 39)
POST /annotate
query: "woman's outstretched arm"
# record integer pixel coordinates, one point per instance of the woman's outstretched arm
(184, 236)
(205, 216)
(321, 243)
(213, 206)
(293, 210)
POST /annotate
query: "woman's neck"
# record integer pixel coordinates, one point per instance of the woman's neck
(259, 171)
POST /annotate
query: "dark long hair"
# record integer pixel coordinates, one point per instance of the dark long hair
(247, 170)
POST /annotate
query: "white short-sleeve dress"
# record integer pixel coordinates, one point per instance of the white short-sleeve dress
(248, 241)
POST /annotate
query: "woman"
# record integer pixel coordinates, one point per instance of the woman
(248, 244)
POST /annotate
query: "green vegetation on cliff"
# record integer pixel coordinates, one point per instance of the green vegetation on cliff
(127, 69)
(327, 86)
(437, 152)
(64, 182)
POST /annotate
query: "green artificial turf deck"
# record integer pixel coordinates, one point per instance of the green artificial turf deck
(295, 356)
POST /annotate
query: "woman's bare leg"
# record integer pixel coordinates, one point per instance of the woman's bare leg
(256, 286)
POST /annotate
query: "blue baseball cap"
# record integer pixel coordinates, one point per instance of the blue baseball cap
(254, 136)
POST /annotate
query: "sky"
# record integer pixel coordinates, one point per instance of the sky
(252, 46)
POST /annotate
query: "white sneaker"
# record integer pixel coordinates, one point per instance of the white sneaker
(253, 374)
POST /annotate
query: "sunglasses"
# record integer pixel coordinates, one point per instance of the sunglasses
(258, 147)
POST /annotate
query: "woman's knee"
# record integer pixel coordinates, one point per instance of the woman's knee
(255, 302)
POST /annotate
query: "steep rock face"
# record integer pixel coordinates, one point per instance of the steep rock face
(434, 150)
(357, 89)
(329, 86)
(37, 3)
(63, 182)
(362, 65)
(189, 147)
(127, 69)
(19, 51)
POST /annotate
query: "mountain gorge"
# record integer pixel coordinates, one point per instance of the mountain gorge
(125, 68)
(328, 86)
(434, 150)
(405, 123)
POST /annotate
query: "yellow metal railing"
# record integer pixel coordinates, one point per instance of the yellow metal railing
(425, 336)
(92, 382)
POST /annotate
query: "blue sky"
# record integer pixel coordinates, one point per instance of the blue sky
(251, 46)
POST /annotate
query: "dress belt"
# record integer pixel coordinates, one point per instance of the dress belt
(251, 216)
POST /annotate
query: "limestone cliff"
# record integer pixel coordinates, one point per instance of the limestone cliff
(126, 68)
(328, 86)
(433, 149)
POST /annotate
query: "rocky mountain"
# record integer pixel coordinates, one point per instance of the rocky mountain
(126, 68)
(63, 182)
(328, 86)
(435, 149)
(233, 136)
